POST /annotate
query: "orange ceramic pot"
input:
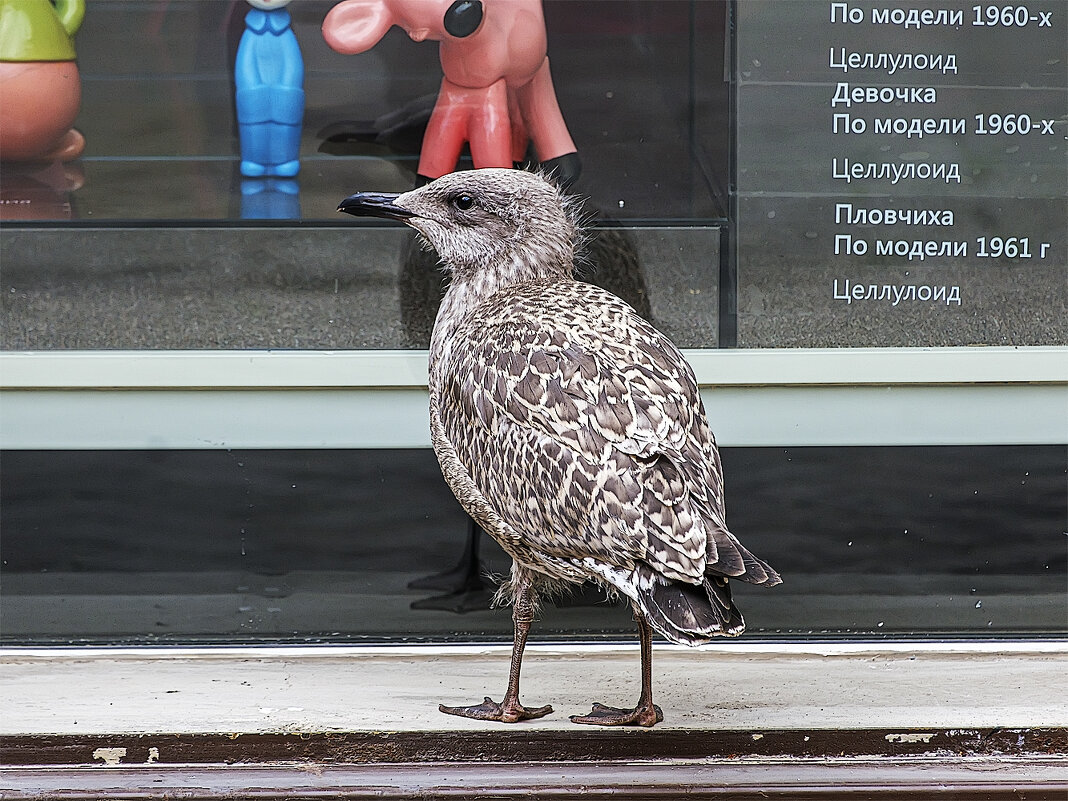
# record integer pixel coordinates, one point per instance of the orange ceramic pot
(39, 101)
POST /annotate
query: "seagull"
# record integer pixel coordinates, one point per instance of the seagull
(568, 427)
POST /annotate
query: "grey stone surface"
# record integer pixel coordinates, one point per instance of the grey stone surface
(201, 288)
(298, 287)
(349, 690)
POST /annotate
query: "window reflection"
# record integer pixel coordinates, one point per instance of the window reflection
(192, 546)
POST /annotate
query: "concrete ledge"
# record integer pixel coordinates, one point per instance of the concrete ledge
(743, 687)
(743, 721)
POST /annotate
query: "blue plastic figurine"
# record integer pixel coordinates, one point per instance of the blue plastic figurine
(269, 75)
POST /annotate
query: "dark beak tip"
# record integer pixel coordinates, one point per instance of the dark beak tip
(374, 204)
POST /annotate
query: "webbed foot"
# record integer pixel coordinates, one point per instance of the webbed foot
(602, 715)
(491, 710)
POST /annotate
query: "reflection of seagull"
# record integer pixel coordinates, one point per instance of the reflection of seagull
(567, 426)
(400, 131)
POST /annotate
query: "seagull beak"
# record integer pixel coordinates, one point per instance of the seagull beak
(374, 204)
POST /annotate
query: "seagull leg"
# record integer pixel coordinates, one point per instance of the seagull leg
(509, 710)
(646, 713)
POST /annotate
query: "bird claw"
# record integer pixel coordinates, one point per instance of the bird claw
(491, 710)
(602, 715)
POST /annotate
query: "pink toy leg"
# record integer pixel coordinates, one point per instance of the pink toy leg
(541, 113)
(445, 135)
(477, 116)
(490, 128)
(520, 138)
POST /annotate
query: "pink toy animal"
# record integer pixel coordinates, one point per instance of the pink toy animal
(497, 94)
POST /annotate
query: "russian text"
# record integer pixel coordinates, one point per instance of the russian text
(920, 249)
(848, 214)
(891, 63)
(848, 96)
(851, 291)
(905, 17)
(894, 172)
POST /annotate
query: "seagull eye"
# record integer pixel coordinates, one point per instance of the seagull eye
(463, 202)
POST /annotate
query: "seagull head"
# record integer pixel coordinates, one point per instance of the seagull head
(512, 223)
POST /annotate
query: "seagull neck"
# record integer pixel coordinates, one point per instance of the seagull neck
(465, 292)
(469, 288)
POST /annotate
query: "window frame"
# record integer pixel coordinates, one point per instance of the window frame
(323, 399)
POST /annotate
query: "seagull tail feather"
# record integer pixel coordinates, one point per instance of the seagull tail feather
(757, 571)
(692, 614)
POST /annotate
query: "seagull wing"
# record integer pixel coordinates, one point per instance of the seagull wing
(583, 427)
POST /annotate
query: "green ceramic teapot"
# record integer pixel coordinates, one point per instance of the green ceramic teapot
(40, 88)
(37, 30)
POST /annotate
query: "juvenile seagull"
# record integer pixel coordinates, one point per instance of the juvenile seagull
(569, 428)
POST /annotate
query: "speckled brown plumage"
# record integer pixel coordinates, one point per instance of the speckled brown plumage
(567, 426)
(585, 427)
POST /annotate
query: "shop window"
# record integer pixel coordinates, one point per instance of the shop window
(758, 175)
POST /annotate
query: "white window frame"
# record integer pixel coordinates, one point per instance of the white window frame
(377, 399)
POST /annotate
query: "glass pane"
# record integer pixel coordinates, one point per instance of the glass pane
(153, 239)
(721, 209)
(641, 85)
(901, 182)
(193, 546)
